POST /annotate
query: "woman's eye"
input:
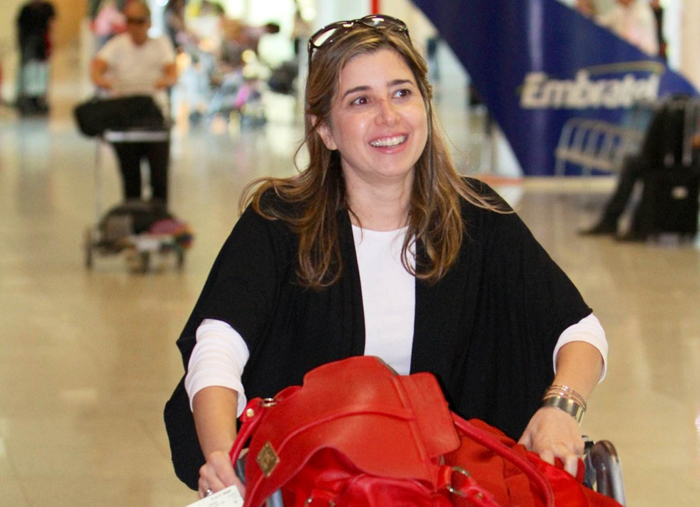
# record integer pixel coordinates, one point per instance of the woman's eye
(402, 93)
(359, 101)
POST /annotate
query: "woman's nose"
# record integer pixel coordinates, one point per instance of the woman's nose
(387, 113)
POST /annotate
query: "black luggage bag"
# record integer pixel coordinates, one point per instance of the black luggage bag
(95, 116)
(669, 202)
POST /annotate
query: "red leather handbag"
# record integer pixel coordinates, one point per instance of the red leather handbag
(357, 434)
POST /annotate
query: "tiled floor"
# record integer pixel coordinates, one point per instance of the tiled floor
(87, 359)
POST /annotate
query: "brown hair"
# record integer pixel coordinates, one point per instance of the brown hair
(317, 193)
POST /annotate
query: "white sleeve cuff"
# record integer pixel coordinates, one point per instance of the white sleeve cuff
(218, 359)
(586, 330)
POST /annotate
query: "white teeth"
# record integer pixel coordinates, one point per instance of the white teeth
(389, 142)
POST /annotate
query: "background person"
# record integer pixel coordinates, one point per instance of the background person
(34, 24)
(135, 64)
(658, 11)
(108, 22)
(174, 18)
(380, 247)
(634, 21)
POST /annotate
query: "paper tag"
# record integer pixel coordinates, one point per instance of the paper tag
(229, 497)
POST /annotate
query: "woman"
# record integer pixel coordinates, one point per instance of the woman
(379, 247)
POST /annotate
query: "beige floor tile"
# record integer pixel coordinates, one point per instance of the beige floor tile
(68, 446)
(11, 494)
(6, 471)
(88, 490)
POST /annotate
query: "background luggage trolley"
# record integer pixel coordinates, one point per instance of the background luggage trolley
(140, 229)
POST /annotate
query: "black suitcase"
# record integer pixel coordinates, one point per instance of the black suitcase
(670, 202)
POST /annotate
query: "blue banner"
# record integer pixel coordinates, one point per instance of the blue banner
(540, 65)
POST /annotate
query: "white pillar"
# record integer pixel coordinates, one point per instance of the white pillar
(690, 41)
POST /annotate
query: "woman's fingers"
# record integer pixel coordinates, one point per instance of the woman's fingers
(209, 483)
(547, 456)
(571, 464)
(554, 434)
(240, 486)
(218, 474)
(567, 456)
(224, 469)
(526, 440)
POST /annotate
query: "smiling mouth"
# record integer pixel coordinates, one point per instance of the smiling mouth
(389, 142)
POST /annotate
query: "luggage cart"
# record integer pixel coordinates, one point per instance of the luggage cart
(604, 471)
(118, 234)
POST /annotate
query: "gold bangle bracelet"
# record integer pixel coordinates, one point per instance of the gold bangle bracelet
(566, 392)
(568, 405)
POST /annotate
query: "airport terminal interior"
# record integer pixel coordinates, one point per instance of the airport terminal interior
(88, 355)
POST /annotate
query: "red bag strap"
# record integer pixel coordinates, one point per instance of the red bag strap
(508, 454)
(470, 490)
(252, 415)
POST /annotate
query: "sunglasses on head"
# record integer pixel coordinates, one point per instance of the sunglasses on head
(136, 21)
(330, 33)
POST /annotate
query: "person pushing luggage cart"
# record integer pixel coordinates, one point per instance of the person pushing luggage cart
(134, 72)
(135, 64)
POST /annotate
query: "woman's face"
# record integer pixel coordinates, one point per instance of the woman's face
(378, 120)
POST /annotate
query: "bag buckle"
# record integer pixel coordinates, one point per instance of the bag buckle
(458, 492)
(268, 402)
(471, 489)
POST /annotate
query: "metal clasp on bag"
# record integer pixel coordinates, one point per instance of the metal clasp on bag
(457, 492)
(269, 402)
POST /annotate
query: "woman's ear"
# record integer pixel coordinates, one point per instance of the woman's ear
(325, 132)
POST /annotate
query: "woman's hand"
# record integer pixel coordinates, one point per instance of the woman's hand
(215, 419)
(552, 433)
(217, 473)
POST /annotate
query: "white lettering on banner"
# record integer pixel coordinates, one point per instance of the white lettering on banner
(582, 93)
